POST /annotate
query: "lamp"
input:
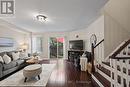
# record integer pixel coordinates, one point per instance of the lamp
(24, 46)
(41, 18)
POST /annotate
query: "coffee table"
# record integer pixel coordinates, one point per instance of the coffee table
(32, 61)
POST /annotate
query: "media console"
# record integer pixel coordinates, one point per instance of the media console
(72, 54)
(74, 57)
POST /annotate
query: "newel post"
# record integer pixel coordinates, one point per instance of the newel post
(93, 67)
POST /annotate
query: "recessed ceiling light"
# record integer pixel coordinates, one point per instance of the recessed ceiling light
(41, 18)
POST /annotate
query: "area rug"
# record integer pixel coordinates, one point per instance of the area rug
(17, 79)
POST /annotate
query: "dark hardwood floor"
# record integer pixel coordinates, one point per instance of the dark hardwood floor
(66, 75)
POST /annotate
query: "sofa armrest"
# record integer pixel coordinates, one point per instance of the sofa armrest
(1, 69)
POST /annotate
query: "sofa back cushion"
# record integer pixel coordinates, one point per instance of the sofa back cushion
(2, 54)
(6, 59)
(15, 55)
(23, 55)
(10, 54)
(1, 59)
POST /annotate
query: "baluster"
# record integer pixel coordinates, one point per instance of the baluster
(115, 72)
(127, 73)
(121, 71)
(111, 72)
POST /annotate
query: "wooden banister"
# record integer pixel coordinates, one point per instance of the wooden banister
(120, 57)
(99, 43)
(92, 50)
(113, 56)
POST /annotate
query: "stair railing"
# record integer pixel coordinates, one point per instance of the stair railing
(97, 54)
(120, 66)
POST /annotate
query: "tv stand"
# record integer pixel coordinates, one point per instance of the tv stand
(74, 57)
(72, 54)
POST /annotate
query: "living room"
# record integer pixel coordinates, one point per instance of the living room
(45, 30)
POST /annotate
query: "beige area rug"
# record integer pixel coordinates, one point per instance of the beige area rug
(17, 79)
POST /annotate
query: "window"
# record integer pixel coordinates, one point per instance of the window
(37, 44)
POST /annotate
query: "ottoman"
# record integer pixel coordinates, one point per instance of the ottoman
(32, 71)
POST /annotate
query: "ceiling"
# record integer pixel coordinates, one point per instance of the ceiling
(62, 15)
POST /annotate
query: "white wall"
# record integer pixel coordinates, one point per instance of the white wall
(120, 11)
(10, 32)
(46, 37)
(116, 24)
(97, 27)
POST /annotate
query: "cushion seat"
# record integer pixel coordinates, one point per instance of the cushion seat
(10, 65)
(19, 62)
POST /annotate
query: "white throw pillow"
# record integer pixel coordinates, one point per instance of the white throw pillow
(6, 59)
(15, 56)
(1, 59)
(23, 55)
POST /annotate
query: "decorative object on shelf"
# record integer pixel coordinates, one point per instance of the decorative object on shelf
(6, 42)
(93, 39)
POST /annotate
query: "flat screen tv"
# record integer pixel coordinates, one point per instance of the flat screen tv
(76, 45)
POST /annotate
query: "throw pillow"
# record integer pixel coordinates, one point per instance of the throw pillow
(23, 55)
(6, 59)
(15, 56)
(1, 59)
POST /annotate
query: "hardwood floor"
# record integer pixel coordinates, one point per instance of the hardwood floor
(66, 75)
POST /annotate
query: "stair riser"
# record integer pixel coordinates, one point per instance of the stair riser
(96, 80)
(94, 83)
(104, 75)
(106, 66)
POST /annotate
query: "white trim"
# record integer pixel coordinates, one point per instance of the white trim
(95, 79)
(104, 75)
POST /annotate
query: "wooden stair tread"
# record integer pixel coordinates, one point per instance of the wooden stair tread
(101, 79)
(104, 70)
(106, 63)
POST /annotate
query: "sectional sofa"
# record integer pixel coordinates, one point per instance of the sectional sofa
(14, 65)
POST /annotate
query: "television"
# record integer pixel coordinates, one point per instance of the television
(76, 45)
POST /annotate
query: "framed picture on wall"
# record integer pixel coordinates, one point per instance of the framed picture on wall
(6, 42)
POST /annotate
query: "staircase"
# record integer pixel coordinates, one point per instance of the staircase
(102, 76)
(115, 72)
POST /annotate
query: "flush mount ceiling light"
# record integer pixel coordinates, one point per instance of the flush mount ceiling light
(41, 18)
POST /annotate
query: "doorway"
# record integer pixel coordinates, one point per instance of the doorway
(56, 47)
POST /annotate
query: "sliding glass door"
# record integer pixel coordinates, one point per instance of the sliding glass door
(56, 47)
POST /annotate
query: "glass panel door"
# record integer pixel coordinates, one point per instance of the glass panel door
(60, 47)
(53, 47)
(56, 47)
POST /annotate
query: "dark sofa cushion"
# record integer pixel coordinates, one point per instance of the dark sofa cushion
(19, 62)
(10, 65)
(2, 54)
(89, 56)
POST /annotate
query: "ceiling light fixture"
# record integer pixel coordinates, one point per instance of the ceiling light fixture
(41, 18)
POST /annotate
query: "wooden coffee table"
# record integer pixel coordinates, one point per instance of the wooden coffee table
(32, 61)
